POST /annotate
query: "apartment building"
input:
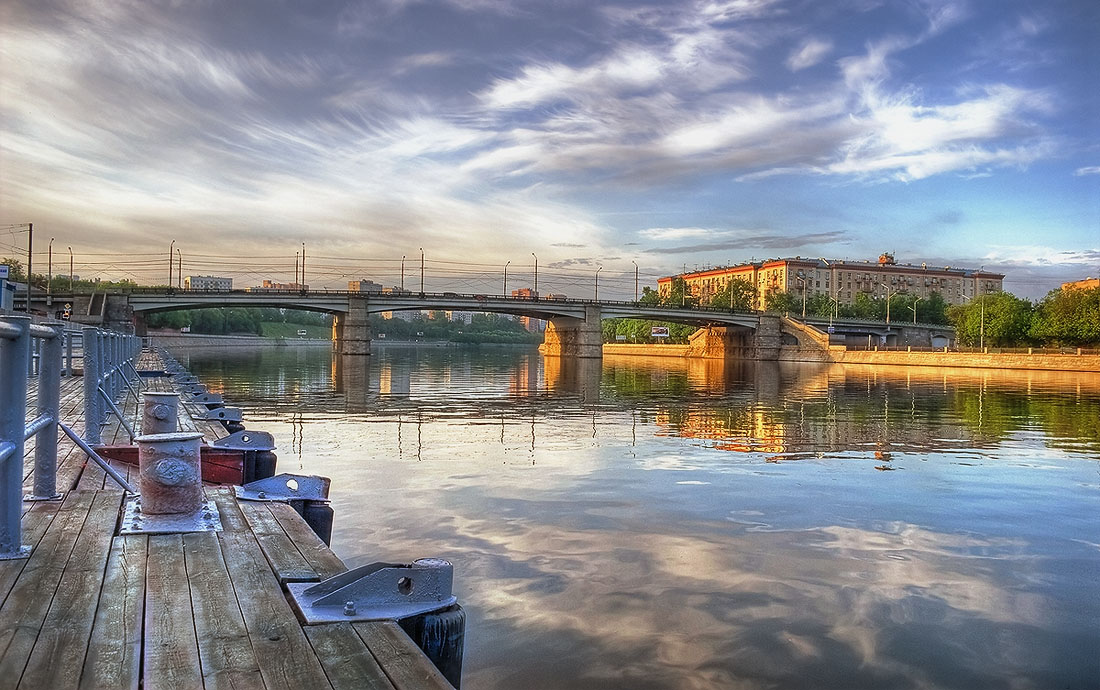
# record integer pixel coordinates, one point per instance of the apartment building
(841, 279)
(207, 283)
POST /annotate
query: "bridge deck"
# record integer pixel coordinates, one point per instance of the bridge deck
(91, 609)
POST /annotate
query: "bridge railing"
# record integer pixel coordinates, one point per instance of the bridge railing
(426, 296)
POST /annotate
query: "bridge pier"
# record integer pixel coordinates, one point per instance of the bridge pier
(351, 330)
(571, 337)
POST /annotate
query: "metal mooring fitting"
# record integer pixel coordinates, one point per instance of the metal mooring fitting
(159, 412)
(285, 487)
(379, 591)
(205, 398)
(247, 440)
(222, 414)
(171, 499)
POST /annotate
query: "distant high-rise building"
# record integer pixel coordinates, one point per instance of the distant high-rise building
(364, 285)
(840, 280)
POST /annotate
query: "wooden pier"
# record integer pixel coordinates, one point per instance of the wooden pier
(92, 609)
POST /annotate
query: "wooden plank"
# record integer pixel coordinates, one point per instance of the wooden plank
(346, 659)
(281, 553)
(405, 665)
(171, 659)
(225, 651)
(28, 602)
(114, 653)
(36, 519)
(58, 655)
(285, 656)
(319, 556)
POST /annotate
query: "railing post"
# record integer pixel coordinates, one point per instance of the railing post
(69, 352)
(49, 404)
(92, 376)
(14, 360)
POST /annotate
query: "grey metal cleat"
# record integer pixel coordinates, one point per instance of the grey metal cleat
(222, 414)
(247, 440)
(285, 487)
(206, 398)
(379, 591)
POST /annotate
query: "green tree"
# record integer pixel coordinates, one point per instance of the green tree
(743, 296)
(782, 302)
(1068, 317)
(998, 320)
(680, 295)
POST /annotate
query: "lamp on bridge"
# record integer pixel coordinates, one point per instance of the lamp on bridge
(596, 292)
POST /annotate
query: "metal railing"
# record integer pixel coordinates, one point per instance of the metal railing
(110, 352)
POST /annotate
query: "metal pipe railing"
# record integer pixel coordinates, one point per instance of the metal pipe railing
(22, 345)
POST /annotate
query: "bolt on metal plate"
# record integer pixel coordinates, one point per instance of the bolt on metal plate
(134, 521)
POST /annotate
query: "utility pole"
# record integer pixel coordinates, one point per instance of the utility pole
(421, 271)
(805, 289)
(536, 295)
(30, 251)
(49, 276)
(70, 269)
(302, 285)
(635, 279)
(171, 260)
(402, 273)
(179, 284)
(295, 268)
(981, 331)
(884, 286)
(596, 292)
(505, 292)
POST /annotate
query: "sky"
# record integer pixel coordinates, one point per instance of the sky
(591, 135)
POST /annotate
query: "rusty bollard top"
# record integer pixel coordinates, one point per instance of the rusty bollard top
(170, 472)
(159, 413)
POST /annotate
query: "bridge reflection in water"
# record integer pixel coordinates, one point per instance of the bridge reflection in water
(663, 523)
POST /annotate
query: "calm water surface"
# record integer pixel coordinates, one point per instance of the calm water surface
(660, 523)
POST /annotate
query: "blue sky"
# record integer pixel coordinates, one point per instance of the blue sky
(593, 134)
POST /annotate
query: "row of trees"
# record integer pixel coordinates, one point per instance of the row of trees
(483, 328)
(1062, 318)
(17, 273)
(234, 320)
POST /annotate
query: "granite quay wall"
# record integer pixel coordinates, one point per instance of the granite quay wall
(645, 350)
(979, 360)
(173, 341)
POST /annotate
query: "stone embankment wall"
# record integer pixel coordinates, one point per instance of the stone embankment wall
(173, 341)
(646, 350)
(992, 360)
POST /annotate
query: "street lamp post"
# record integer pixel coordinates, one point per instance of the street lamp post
(505, 292)
(295, 268)
(421, 271)
(981, 327)
(49, 276)
(914, 308)
(402, 273)
(70, 269)
(536, 295)
(887, 288)
(804, 290)
(635, 279)
(171, 260)
(179, 275)
(596, 292)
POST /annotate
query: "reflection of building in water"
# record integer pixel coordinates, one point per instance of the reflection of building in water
(574, 375)
(525, 377)
(751, 430)
(351, 378)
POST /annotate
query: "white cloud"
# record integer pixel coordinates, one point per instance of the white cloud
(677, 233)
(1087, 170)
(811, 52)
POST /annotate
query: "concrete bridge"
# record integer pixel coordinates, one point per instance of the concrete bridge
(573, 325)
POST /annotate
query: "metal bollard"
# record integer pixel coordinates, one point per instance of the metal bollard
(49, 404)
(170, 473)
(160, 413)
(92, 375)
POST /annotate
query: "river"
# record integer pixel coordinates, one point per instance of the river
(689, 524)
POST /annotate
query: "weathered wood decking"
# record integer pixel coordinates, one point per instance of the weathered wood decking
(89, 609)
